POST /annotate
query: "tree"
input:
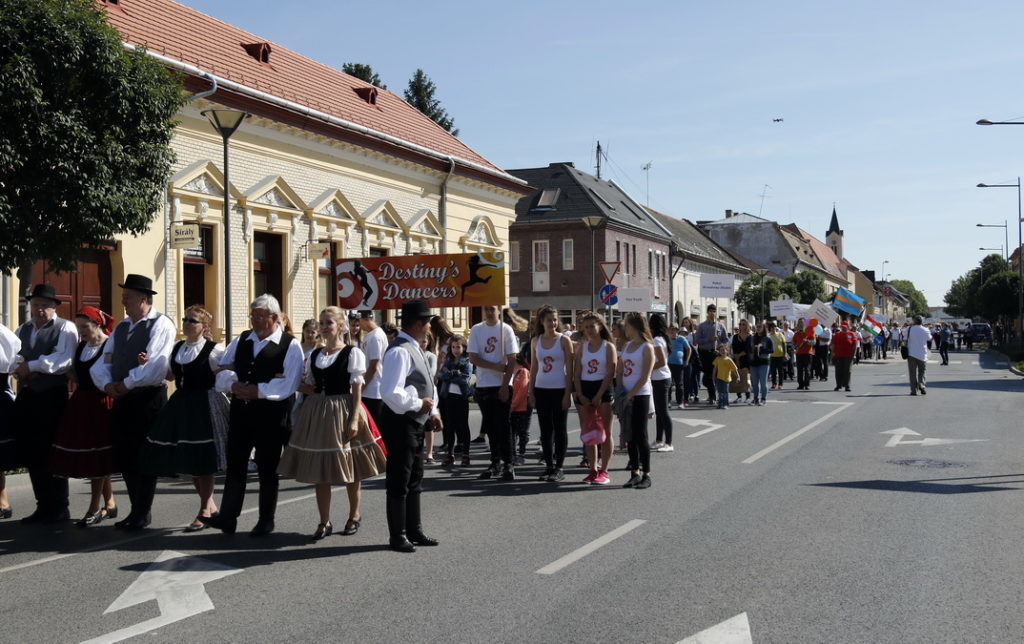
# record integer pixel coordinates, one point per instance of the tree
(971, 296)
(85, 131)
(750, 299)
(804, 287)
(363, 72)
(420, 94)
(998, 295)
(918, 302)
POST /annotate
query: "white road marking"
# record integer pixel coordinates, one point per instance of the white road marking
(777, 402)
(697, 422)
(899, 435)
(579, 553)
(803, 430)
(735, 630)
(176, 582)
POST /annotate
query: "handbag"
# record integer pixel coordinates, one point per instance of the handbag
(903, 351)
(593, 426)
(742, 384)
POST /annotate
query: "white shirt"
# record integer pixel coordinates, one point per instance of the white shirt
(190, 351)
(158, 352)
(632, 368)
(396, 367)
(551, 364)
(373, 346)
(62, 357)
(492, 343)
(10, 345)
(789, 333)
(663, 372)
(917, 342)
(278, 388)
(356, 365)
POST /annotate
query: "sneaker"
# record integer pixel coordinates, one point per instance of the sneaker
(658, 445)
(520, 459)
(738, 400)
(589, 478)
(847, 389)
(448, 460)
(465, 462)
(430, 460)
(644, 483)
(479, 439)
(633, 480)
(548, 472)
(602, 478)
(508, 473)
(556, 475)
(666, 448)
(489, 473)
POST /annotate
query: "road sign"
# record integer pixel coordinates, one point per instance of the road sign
(609, 270)
(607, 295)
(635, 299)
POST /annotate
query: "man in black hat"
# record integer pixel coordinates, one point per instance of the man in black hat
(48, 345)
(132, 372)
(373, 342)
(405, 418)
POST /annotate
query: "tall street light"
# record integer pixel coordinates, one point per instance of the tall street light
(1004, 226)
(1020, 252)
(884, 297)
(761, 273)
(226, 122)
(593, 223)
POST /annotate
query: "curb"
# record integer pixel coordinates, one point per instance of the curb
(1013, 370)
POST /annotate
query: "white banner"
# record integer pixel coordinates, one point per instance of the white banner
(634, 299)
(781, 308)
(822, 312)
(717, 285)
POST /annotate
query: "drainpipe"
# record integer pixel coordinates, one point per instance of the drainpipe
(6, 313)
(442, 214)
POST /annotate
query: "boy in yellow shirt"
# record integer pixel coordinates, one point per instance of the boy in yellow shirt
(724, 368)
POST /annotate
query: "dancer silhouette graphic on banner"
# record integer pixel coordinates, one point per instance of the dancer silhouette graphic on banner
(474, 265)
(360, 274)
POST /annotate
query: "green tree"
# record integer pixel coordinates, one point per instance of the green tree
(750, 299)
(804, 287)
(918, 302)
(998, 295)
(85, 131)
(420, 94)
(363, 72)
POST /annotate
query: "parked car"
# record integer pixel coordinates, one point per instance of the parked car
(980, 332)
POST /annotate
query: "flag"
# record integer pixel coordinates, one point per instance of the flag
(872, 327)
(848, 302)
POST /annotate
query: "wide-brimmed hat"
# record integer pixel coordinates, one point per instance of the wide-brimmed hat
(416, 310)
(44, 291)
(138, 283)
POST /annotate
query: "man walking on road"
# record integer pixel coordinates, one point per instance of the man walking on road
(844, 346)
(710, 333)
(917, 355)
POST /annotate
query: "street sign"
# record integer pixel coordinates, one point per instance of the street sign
(320, 251)
(607, 295)
(635, 299)
(185, 236)
(609, 270)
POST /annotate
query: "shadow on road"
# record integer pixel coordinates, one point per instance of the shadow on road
(924, 486)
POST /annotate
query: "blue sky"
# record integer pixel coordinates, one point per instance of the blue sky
(879, 102)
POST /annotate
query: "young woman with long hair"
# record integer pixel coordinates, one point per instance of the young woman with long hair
(551, 385)
(634, 372)
(594, 371)
(661, 382)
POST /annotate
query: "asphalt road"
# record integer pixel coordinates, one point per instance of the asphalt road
(799, 521)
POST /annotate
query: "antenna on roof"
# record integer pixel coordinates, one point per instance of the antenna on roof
(600, 154)
(764, 193)
(646, 169)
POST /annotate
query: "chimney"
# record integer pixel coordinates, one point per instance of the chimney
(728, 213)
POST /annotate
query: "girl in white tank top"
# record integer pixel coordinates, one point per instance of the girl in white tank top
(593, 374)
(551, 389)
(634, 372)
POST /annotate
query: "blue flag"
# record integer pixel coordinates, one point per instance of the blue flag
(848, 302)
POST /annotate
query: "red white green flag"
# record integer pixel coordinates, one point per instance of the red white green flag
(872, 326)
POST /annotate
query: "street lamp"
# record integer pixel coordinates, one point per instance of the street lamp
(1020, 252)
(762, 273)
(226, 122)
(884, 298)
(593, 223)
(1004, 226)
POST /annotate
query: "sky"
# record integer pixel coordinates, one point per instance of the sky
(878, 102)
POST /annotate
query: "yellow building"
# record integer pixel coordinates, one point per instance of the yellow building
(323, 158)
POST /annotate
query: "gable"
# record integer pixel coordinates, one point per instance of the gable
(274, 192)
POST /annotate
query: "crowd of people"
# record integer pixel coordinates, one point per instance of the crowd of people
(349, 399)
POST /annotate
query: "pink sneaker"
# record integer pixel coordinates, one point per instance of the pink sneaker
(602, 478)
(590, 478)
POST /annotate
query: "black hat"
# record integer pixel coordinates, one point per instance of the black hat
(712, 307)
(44, 291)
(414, 310)
(138, 283)
(365, 314)
(353, 316)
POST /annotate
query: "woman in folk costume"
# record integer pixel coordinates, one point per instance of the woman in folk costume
(332, 441)
(190, 434)
(81, 446)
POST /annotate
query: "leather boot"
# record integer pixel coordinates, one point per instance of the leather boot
(413, 524)
(396, 525)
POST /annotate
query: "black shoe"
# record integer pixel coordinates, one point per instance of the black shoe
(448, 460)
(632, 482)
(644, 483)
(548, 472)
(420, 539)
(323, 530)
(401, 544)
(556, 475)
(351, 527)
(120, 525)
(138, 523)
(489, 473)
(836, 389)
(464, 462)
(6, 513)
(40, 517)
(847, 389)
(224, 524)
(479, 439)
(262, 528)
(508, 473)
(924, 393)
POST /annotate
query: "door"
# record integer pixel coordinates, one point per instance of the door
(87, 285)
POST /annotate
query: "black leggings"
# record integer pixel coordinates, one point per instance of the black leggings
(495, 419)
(777, 366)
(803, 369)
(455, 416)
(677, 381)
(663, 422)
(639, 444)
(552, 420)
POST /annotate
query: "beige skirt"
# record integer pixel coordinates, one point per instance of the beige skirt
(317, 451)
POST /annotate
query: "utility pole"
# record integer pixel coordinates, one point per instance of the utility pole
(646, 168)
(598, 159)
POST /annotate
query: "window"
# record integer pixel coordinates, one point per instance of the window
(618, 254)
(625, 248)
(325, 282)
(267, 267)
(513, 257)
(650, 264)
(541, 267)
(634, 259)
(567, 255)
(547, 200)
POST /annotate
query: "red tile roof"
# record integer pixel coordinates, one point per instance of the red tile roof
(184, 34)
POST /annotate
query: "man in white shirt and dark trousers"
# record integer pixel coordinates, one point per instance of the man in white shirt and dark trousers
(133, 372)
(917, 355)
(262, 369)
(492, 350)
(373, 343)
(48, 346)
(821, 353)
(410, 409)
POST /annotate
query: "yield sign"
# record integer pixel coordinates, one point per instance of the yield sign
(609, 270)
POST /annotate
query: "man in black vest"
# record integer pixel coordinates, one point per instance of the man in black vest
(133, 372)
(405, 418)
(48, 347)
(262, 369)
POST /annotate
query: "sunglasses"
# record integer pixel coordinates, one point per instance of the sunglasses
(190, 321)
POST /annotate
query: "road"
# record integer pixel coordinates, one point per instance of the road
(799, 521)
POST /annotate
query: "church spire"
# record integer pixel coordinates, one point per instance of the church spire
(833, 227)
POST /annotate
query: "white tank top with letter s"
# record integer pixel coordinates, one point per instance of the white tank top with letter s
(632, 365)
(595, 365)
(550, 365)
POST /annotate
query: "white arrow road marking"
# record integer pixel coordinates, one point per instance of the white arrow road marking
(899, 438)
(777, 402)
(579, 553)
(176, 582)
(806, 428)
(735, 630)
(696, 422)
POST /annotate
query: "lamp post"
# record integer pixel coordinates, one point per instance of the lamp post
(226, 122)
(884, 298)
(1004, 226)
(1020, 252)
(593, 223)
(761, 273)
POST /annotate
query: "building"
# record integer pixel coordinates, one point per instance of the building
(323, 158)
(553, 254)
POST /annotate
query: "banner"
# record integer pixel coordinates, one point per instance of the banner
(634, 299)
(822, 312)
(717, 285)
(781, 308)
(471, 279)
(871, 326)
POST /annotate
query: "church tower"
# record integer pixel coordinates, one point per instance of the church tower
(834, 236)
